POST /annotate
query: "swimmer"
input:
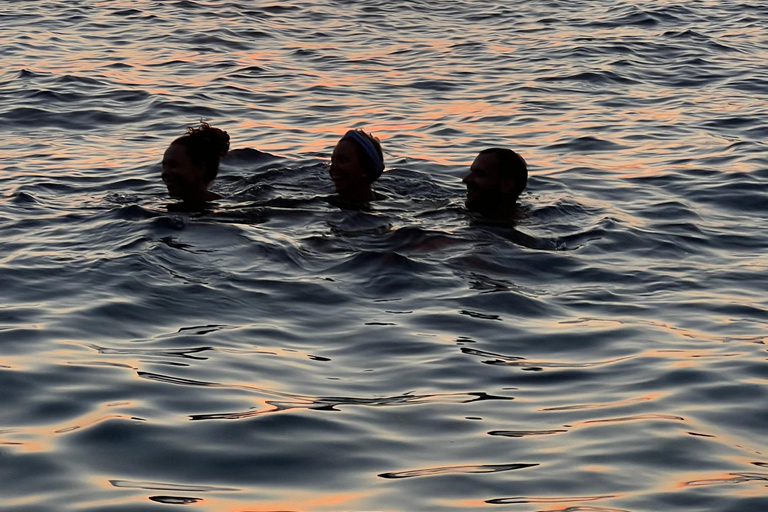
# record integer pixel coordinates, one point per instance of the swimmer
(191, 163)
(495, 180)
(357, 161)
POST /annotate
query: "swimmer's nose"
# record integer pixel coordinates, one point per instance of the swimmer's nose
(335, 176)
(170, 179)
(466, 179)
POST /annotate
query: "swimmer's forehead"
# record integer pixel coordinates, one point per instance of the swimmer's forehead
(175, 152)
(486, 162)
(344, 145)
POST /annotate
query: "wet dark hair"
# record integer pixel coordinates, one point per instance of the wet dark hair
(370, 169)
(205, 144)
(511, 165)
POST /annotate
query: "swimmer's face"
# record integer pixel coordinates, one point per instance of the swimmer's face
(487, 191)
(347, 172)
(183, 177)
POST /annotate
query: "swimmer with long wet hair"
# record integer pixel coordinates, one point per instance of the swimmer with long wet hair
(357, 161)
(496, 179)
(191, 163)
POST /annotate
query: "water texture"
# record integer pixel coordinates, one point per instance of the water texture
(604, 352)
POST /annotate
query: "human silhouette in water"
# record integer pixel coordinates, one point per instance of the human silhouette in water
(191, 163)
(357, 161)
(495, 180)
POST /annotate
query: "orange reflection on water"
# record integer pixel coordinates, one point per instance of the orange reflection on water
(549, 501)
(26, 446)
(468, 504)
(300, 501)
(649, 397)
(751, 484)
(42, 438)
(680, 333)
(211, 500)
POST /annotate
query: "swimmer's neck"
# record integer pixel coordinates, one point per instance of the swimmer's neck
(508, 211)
(360, 195)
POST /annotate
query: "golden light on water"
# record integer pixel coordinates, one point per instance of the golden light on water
(630, 326)
(300, 500)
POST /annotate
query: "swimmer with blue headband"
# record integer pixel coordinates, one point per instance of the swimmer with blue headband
(357, 161)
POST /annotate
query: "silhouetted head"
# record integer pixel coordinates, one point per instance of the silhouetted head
(357, 161)
(191, 163)
(495, 180)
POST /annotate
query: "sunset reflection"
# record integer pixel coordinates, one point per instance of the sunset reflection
(597, 344)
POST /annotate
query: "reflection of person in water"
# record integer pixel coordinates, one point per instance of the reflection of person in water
(357, 161)
(495, 180)
(191, 163)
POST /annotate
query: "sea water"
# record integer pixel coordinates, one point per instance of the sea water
(604, 351)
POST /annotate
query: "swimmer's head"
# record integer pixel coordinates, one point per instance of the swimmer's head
(357, 161)
(495, 180)
(191, 163)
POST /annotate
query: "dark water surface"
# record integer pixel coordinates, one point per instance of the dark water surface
(604, 353)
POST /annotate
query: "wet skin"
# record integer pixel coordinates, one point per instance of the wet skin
(347, 173)
(183, 177)
(488, 192)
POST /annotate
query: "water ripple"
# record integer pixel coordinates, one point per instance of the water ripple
(612, 332)
(488, 468)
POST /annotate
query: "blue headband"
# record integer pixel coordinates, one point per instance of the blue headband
(370, 150)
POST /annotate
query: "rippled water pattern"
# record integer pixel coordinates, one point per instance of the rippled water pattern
(605, 353)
